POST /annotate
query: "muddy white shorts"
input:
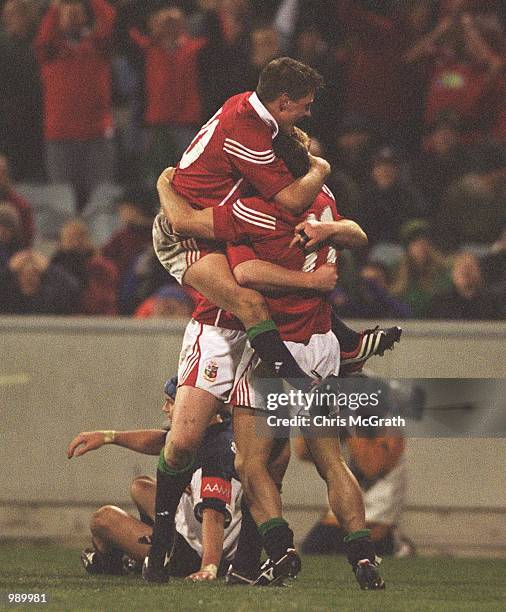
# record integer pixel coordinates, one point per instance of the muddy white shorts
(209, 358)
(177, 253)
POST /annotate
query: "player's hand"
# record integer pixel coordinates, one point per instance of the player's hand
(84, 442)
(209, 572)
(324, 278)
(322, 165)
(167, 176)
(310, 233)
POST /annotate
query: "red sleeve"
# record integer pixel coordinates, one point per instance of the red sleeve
(142, 41)
(238, 253)
(49, 36)
(246, 218)
(250, 151)
(105, 16)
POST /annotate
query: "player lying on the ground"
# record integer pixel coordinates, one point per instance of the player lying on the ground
(208, 518)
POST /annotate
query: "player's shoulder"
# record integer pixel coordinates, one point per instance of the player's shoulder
(325, 200)
(241, 122)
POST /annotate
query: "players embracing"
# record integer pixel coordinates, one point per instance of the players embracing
(231, 158)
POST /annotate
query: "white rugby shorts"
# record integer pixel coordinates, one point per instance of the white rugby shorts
(177, 253)
(209, 358)
(321, 354)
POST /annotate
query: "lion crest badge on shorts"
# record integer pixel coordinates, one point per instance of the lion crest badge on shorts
(211, 370)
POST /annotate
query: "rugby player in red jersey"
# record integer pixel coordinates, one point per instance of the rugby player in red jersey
(232, 150)
(305, 325)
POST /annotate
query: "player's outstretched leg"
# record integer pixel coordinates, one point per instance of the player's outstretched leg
(115, 533)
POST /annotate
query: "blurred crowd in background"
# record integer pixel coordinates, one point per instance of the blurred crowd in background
(98, 97)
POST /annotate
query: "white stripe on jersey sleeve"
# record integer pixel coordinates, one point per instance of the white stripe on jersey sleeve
(247, 157)
(246, 209)
(244, 149)
(328, 192)
(252, 220)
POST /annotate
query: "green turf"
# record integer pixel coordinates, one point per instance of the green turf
(325, 583)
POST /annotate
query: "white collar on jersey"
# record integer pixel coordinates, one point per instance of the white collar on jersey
(264, 114)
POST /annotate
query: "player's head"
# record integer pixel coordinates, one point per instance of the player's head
(169, 389)
(293, 150)
(287, 87)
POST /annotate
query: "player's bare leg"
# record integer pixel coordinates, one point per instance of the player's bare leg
(252, 464)
(246, 565)
(193, 410)
(254, 454)
(143, 494)
(345, 496)
(346, 501)
(113, 529)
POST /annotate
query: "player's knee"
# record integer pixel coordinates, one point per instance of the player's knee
(140, 486)
(250, 305)
(103, 519)
(182, 449)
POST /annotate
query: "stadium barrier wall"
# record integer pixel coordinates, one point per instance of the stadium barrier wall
(60, 376)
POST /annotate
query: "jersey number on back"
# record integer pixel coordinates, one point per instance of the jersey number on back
(200, 142)
(311, 258)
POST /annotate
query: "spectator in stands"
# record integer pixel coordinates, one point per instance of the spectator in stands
(369, 296)
(443, 159)
(224, 64)
(20, 93)
(493, 264)
(390, 201)
(465, 74)
(24, 209)
(137, 207)
(10, 232)
(467, 298)
(312, 49)
(30, 285)
(264, 48)
(97, 276)
(169, 302)
(149, 274)
(423, 270)
(483, 190)
(73, 48)
(377, 84)
(350, 156)
(173, 102)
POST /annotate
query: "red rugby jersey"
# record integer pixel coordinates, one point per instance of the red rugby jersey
(266, 232)
(232, 150)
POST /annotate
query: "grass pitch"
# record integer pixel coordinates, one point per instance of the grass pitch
(325, 583)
